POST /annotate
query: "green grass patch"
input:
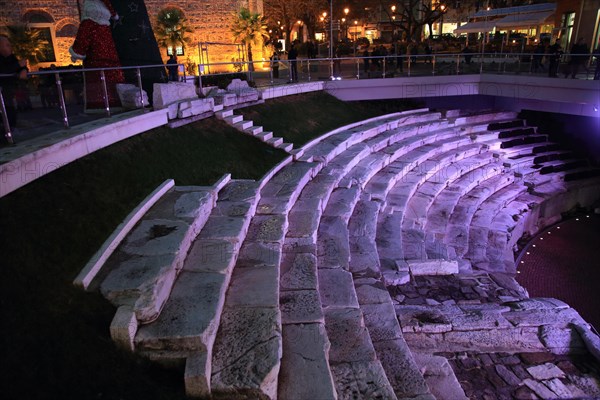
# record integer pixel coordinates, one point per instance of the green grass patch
(55, 341)
(301, 118)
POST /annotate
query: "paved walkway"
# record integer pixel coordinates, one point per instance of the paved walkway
(563, 263)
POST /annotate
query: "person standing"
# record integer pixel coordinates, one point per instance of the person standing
(554, 54)
(173, 68)
(275, 64)
(292, 58)
(10, 65)
(579, 53)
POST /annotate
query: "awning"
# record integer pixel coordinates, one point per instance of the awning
(473, 27)
(525, 20)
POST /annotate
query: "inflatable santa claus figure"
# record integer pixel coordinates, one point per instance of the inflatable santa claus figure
(95, 46)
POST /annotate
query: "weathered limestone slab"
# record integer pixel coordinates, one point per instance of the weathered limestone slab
(561, 340)
(232, 229)
(304, 220)
(381, 321)
(240, 190)
(590, 339)
(333, 248)
(268, 228)
(560, 318)
(545, 371)
(195, 107)
(140, 277)
(254, 287)
(320, 187)
(371, 291)
(190, 318)
(197, 375)
(538, 303)
(156, 237)
(364, 219)
(350, 341)
(423, 319)
(478, 317)
(123, 327)
(341, 203)
(166, 93)
(233, 208)
(300, 307)
(401, 369)
(362, 380)
(433, 267)
(211, 255)
(305, 372)
(336, 289)
(539, 388)
(413, 245)
(130, 98)
(561, 390)
(298, 271)
(247, 352)
(439, 377)
(255, 254)
(395, 278)
(502, 340)
(364, 258)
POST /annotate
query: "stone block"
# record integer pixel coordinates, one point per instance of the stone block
(172, 92)
(298, 271)
(364, 219)
(341, 203)
(439, 377)
(561, 390)
(268, 228)
(545, 371)
(123, 327)
(561, 340)
(349, 337)
(195, 107)
(401, 369)
(300, 306)
(197, 375)
(362, 380)
(540, 389)
(333, 248)
(254, 287)
(240, 190)
(255, 254)
(130, 96)
(371, 291)
(396, 278)
(250, 341)
(190, 317)
(381, 321)
(211, 255)
(232, 229)
(305, 372)
(432, 267)
(336, 289)
(364, 259)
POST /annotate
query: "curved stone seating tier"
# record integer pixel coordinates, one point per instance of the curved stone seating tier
(282, 288)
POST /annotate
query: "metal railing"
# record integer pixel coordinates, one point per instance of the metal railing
(66, 85)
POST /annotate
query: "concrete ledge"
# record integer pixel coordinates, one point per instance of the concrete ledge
(31, 166)
(93, 266)
(289, 90)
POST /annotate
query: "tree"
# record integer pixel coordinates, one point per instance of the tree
(172, 29)
(28, 44)
(412, 15)
(285, 13)
(250, 29)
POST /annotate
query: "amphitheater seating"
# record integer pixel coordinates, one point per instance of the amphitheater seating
(285, 288)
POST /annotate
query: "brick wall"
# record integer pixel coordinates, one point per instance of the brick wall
(210, 20)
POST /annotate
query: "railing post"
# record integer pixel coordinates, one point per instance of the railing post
(271, 71)
(308, 69)
(7, 131)
(383, 64)
(61, 99)
(433, 65)
(357, 68)
(184, 73)
(138, 72)
(408, 64)
(458, 64)
(105, 93)
(481, 64)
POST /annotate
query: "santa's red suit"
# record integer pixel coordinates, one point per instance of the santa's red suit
(94, 45)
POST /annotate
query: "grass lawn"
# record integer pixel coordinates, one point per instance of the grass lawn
(55, 341)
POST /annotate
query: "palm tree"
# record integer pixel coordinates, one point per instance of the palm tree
(28, 44)
(249, 28)
(171, 28)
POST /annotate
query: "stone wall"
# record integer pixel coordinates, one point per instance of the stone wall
(209, 20)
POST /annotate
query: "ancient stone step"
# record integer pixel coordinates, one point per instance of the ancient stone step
(232, 119)
(287, 147)
(222, 114)
(254, 130)
(146, 264)
(264, 136)
(275, 141)
(243, 125)
(188, 325)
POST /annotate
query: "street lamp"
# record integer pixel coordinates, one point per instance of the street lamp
(346, 11)
(443, 8)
